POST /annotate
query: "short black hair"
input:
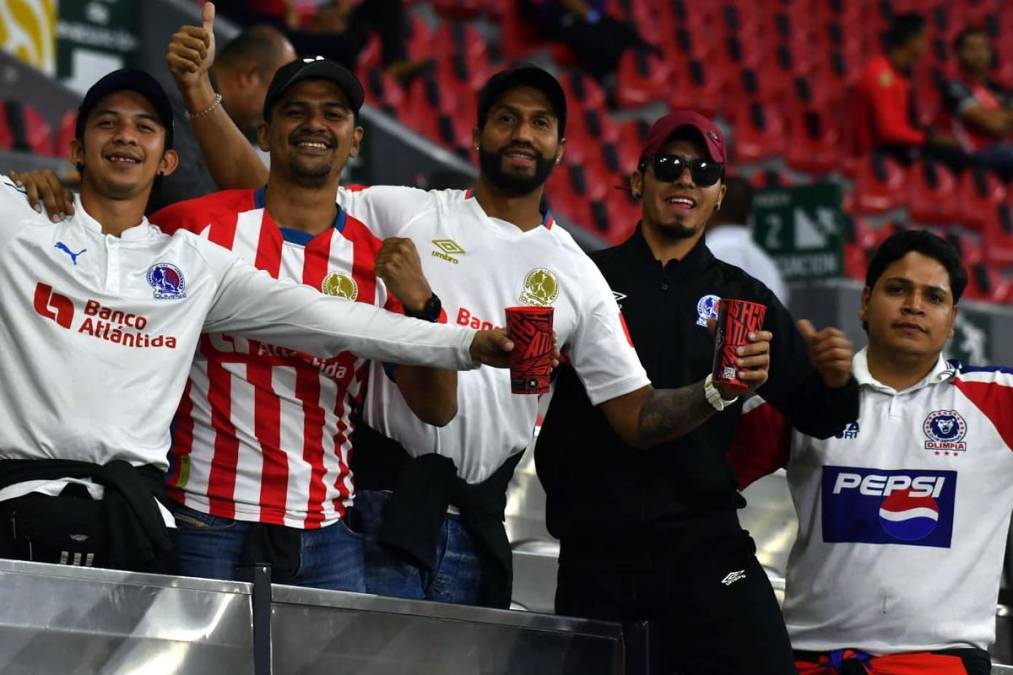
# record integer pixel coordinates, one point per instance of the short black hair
(263, 44)
(903, 28)
(898, 245)
(738, 201)
(958, 42)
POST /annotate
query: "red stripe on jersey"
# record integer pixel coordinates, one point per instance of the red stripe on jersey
(219, 210)
(365, 247)
(340, 439)
(269, 246)
(307, 390)
(222, 478)
(267, 428)
(182, 444)
(626, 330)
(317, 257)
(996, 401)
(762, 444)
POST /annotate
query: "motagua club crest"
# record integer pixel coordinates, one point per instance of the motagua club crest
(945, 430)
(167, 280)
(340, 286)
(540, 288)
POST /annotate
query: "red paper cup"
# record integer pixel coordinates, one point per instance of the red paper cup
(736, 320)
(530, 328)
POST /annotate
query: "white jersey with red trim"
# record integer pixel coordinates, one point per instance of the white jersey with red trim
(97, 332)
(263, 433)
(479, 266)
(902, 516)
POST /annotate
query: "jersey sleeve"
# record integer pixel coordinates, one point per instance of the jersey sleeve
(250, 302)
(762, 442)
(601, 350)
(387, 209)
(991, 391)
(175, 217)
(14, 209)
(957, 97)
(888, 97)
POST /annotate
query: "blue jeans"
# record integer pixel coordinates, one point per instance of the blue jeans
(456, 575)
(212, 547)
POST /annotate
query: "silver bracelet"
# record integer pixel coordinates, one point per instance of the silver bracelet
(196, 116)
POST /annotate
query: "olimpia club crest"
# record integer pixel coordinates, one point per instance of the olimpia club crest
(540, 288)
(340, 286)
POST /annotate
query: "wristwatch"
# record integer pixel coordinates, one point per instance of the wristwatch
(429, 312)
(714, 396)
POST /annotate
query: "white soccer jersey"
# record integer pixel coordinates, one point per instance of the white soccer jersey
(479, 266)
(97, 332)
(902, 516)
(264, 434)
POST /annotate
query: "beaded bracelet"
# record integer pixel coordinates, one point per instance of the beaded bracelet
(196, 116)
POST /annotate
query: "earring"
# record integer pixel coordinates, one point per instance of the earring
(718, 207)
(636, 195)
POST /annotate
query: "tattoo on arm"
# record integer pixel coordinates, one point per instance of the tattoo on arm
(670, 413)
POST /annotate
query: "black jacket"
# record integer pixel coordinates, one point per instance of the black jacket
(594, 482)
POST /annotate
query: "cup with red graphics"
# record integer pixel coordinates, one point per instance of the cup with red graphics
(736, 320)
(530, 328)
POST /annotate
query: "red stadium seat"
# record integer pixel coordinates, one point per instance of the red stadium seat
(694, 87)
(814, 144)
(879, 186)
(61, 144)
(997, 245)
(932, 193)
(583, 89)
(419, 44)
(6, 136)
(459, 9)
(640, 79)
(29, 131)
(454, 38)
(978, 195)
(758, 133)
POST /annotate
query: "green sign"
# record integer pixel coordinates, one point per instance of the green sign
(971, 338)
(802, 229)
(94, 37)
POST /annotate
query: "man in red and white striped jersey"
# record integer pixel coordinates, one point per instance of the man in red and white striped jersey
(260, 459)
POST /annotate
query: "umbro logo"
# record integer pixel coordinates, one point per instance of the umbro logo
(447, 249)
(619, 298)
(732, 577)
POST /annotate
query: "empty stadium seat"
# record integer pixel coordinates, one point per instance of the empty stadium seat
(879, 186)
(640, 79)
(758, 133)
(814, 144)
(29, 132)
(978, 195)
(932, 193)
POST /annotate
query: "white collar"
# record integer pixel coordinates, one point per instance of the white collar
(860, 366)
(138, 232)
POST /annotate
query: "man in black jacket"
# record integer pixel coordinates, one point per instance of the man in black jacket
(653, 534)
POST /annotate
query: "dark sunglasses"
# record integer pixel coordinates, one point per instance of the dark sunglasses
(668, 168)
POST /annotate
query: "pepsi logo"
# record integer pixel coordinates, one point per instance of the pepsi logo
(908, 518)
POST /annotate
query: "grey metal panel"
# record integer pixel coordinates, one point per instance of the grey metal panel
(59, 619)
(335, 633)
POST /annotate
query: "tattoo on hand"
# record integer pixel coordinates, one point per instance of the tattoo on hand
(668, 413)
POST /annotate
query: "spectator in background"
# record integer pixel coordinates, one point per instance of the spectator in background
(980, 109)
(336, 29)
(596, 38)
(887, 118)
(239, 80)
(730, 237)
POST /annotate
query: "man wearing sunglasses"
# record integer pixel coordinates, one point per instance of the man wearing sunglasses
(654, 535)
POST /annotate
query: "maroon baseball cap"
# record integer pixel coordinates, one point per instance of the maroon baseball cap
(663, 130)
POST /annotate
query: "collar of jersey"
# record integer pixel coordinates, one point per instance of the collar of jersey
(547, 220)
(941, 372)
(292, 235)
(138, 232)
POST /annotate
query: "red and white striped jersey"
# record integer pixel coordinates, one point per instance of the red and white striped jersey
(263, 433)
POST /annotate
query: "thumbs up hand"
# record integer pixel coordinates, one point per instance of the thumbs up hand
(830, 351)
(191, 53)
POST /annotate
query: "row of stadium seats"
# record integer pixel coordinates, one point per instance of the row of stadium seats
(22, 128)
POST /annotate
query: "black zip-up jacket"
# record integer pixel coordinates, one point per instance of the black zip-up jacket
(597, 484)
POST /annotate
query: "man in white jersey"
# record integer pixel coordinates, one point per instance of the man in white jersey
(902, 516)
(100, 317)
(481, 254)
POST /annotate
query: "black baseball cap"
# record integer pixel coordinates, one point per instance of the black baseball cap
(313, 68)
(131, 80)
(523, 76)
